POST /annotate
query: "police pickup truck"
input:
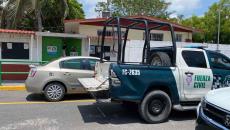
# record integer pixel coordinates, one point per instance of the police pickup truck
(167, 77)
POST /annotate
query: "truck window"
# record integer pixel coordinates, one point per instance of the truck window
(219, 61)
(194, 59)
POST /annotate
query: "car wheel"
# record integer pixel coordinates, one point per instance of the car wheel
(155, 107)
(54, 92)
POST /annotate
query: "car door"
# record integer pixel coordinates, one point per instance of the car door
(68, 70)
(196, 74)
(85, 70)
(220, 65)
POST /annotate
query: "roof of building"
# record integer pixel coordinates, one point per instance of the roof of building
(16, 31)
(65, 35)
(101, 21)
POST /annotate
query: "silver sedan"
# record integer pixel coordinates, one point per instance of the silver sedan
(60, 77)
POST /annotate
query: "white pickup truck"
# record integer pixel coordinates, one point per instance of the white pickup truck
(167, 78)
(197, 71)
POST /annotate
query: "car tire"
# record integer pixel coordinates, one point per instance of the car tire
(54, 92)
(160, 59)
(155, 107)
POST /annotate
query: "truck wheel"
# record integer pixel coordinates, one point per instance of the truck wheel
(160, 59)
(155, 107)
(54, 92)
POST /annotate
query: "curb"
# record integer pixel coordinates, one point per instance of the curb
(12, 88)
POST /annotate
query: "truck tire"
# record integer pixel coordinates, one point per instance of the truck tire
(160, 59)
(155, 107)
(54, 92)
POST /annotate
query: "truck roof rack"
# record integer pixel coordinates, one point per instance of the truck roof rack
(128, 24)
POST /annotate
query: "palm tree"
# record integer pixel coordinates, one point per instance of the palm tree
(16, 9)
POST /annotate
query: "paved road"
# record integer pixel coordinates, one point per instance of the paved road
(23, 111)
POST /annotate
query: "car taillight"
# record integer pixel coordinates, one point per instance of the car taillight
(32, 72)
(114, 79)
(113, 74)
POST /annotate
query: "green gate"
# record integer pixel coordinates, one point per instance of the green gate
(52, 47)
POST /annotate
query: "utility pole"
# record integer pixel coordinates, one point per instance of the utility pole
(218, 35)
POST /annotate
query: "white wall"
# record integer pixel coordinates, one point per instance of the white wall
(23, 38)
(134, 48)
(90, 30)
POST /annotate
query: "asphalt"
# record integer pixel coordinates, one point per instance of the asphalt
(24, 111)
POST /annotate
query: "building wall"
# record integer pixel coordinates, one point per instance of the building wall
(72, 27)
(51, 42)
(137, 47)
(72, 45)
(85, 46)
(20, 38)
(17, 67)
(90, 30)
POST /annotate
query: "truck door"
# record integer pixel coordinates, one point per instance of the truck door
(220, 65)
(196, 74)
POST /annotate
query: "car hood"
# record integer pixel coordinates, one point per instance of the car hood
(219, 97)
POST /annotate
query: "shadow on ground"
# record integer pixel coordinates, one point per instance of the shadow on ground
(114, 113)
(40, 97)
(204, 127)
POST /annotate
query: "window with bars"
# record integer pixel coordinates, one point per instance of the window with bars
(179, 37)
(110, 33)
(155, 36)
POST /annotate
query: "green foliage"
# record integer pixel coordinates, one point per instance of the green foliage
(157, 8)
(75, 10)
(51, 12)
(209, 24)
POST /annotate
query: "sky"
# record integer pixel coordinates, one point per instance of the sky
(184, 7)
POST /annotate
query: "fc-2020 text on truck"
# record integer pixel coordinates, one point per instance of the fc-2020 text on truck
(167, 77)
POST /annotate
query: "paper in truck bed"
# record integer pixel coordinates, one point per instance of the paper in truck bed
(100, 81)
(93, 84)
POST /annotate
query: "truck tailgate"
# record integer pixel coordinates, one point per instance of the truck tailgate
(93, 84)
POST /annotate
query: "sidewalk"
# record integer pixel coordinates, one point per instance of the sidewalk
(13, 85)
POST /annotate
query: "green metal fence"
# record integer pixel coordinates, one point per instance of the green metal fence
(17, 62)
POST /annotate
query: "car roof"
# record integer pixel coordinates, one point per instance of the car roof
(78, 57)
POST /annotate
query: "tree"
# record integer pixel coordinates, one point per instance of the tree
(157, 8)
(40, 14)
(75, 10)
(208, 24)
(196, 23)
(211, 21)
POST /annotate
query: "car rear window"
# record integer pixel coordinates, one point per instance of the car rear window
(83, 64)
(71, 64)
